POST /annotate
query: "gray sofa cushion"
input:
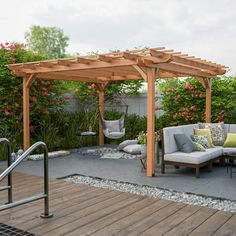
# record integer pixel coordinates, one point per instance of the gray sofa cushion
(184, 143)
(194, 157)
(229, 128)
(170, 145)
(229, 150)
(169, 140)
(232, 128)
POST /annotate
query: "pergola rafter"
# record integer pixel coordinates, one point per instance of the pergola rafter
(146, 64)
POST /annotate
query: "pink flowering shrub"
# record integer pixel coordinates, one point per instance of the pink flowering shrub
(44, 95)
(184, 100)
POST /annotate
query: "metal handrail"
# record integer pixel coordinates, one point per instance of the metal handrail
(7, 144)
(45, 195)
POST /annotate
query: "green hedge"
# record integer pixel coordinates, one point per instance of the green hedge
(60, 130)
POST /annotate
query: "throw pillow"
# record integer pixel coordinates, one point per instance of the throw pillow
(217, 132)
(205, 132)
(201, 140)
(126, 143)
(198, 147)
(230, 140)
(184, 143)
(133, 149)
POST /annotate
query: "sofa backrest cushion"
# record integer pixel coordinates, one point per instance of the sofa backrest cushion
(229, 128)
(170, 145)
(232, 128)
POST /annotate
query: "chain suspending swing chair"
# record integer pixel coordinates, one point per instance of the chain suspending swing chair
(114, 129)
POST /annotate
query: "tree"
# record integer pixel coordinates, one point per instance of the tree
(47, 41)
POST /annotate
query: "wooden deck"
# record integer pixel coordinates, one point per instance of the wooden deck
(85, 210)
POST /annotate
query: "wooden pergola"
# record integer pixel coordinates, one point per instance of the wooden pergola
(146, 64)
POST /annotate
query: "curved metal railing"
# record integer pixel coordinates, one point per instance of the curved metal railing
(13, 165)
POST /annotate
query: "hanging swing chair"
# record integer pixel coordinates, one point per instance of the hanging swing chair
(114, 129)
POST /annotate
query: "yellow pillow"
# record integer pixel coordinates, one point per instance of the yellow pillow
(231, 140)
(205, 132)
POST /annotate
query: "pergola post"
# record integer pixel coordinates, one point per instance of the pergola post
(101, 90)
(101, 110)
(150, 120)
(208, 100)
(26, 118)
(27, 81)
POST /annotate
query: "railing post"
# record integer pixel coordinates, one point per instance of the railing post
(9, 178)
(7, 146)
(46, 213)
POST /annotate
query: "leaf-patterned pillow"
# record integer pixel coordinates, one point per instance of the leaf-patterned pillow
(198, 147)
(201, 140)
(217, 132)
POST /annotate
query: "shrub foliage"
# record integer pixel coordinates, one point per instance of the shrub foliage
(184, 100)
(44, 95)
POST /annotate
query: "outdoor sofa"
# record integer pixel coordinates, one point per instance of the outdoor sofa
(197, 159)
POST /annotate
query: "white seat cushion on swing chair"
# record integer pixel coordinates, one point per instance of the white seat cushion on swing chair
(114, 134)
(113, 125)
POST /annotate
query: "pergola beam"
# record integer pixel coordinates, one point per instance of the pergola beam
(179, 59)
(175, 68)
(69, 78)
(92, 65)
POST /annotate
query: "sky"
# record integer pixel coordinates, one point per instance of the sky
(203, 28)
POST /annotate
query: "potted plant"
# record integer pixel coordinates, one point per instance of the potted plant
(142, 139)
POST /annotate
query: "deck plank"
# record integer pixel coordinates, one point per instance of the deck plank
(192, 222)
(131, 219)
(81, 210)
(111, 218)
(172, 221)
(93, 213)
(152, 219)
(212, 224)
(57, 202)
(229, 228)
(62, 212)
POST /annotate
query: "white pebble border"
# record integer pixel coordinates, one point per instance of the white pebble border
(38, 157)
(188, 198)
(100, 151)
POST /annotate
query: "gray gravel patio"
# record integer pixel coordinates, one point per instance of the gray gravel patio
(215, 184)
